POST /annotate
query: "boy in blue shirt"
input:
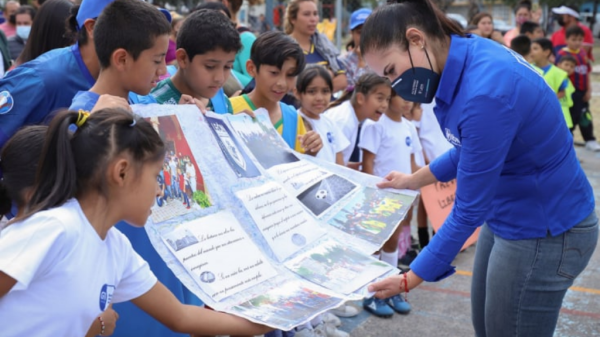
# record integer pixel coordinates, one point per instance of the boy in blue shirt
(131, 39)
(205, 61)
(30, 92)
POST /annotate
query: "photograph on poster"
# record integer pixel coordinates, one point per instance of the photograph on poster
(287, 305)
(372, 214)
(337, 267)
(181, 183)
(262, 140)
(325, 193)
(232, 150)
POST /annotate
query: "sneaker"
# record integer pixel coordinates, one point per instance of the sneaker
(329, 330)
(310, 333)
(345, 310)
(398, 304)
(378, 307)
(592, 145)
(408, 258)
(330, 318)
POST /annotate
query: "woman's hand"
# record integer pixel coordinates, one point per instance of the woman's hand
(395, 285)
(311, 142)
(397, 180)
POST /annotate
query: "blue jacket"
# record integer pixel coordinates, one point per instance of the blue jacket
(513, 156)
(39, 87)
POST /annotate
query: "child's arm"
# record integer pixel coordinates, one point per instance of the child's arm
(368, 161)
(161, 304)
(6, 284)
(588, 93)
(109, 321)
(560, 94)
(413, 164)
(339, 158)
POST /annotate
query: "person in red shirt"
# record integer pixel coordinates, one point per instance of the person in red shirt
(567, 16)
(580, 111)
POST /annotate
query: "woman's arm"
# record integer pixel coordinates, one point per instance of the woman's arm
(161, 304)
(397, 180)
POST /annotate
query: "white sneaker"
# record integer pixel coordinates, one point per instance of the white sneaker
(311, 333)
(329, 330)
(332, 319)
(345, 310)
(592, 145)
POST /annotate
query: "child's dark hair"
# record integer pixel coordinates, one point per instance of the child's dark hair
(521, 44)
(76, 163)
(274, 48)
(73, 28)
(529, 27)
(215, 6)
(18, 164)
(366, 83)
(311, 72)
(218, 32)
(130, 25)
(387, 25)
(567, 58)
(574, 31)
(544, 43)
(523, 4)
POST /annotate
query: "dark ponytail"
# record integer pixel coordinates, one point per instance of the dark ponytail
(387, 25)
(366, 83)
(75, 164)
(73, 28)
(18, 164)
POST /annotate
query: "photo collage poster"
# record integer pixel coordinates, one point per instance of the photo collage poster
(261, 207)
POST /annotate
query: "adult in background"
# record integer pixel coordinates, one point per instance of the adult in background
(10, 27)
(48, 31)
(566, 17)
(522, 15)
(353, 61)
(484, 24)
(301, 19)
(24, 19)
(516, 172)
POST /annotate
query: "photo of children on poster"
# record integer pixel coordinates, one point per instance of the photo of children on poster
(181, 183)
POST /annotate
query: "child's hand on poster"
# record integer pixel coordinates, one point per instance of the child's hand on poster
(110, 101)
(311, 142)
(248, 112)
(187, 99)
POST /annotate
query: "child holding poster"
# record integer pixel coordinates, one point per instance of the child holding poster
(313, 89)
(275, 62)
(65, 240)
(390, 144)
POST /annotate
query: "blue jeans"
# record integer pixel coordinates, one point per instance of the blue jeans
(519, 285)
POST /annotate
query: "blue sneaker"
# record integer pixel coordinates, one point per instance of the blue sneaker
(398, 304)
(378, 307)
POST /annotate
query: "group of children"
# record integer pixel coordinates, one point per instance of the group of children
(567, 72)
(97, 165)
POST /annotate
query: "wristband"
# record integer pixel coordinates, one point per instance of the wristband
(102, 325)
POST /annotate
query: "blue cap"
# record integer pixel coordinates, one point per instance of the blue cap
(91, 9)
(359, 17)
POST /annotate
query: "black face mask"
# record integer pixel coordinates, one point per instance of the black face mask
(13, 19)
(417, 84)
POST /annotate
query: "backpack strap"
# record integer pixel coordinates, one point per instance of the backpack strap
(290, 124)
(219, 104)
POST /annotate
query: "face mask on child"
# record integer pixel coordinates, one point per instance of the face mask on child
(23, 32)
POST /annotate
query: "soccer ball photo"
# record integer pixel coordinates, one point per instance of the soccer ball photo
(321, 194)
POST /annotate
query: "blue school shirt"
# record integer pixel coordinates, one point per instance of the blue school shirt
(30, 92)
(132, 320)
(513, 158)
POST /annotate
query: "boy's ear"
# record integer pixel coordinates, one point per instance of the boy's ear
(118, 59)
(296, 93)
(182, 58)
(251, 68)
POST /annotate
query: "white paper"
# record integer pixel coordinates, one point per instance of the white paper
(282, 221)
(219, 255)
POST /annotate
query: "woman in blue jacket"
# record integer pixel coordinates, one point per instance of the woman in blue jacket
(514, 162)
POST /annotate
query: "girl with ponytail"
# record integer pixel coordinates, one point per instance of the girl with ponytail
(516, 172)
(62, 252)
(369, 98)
